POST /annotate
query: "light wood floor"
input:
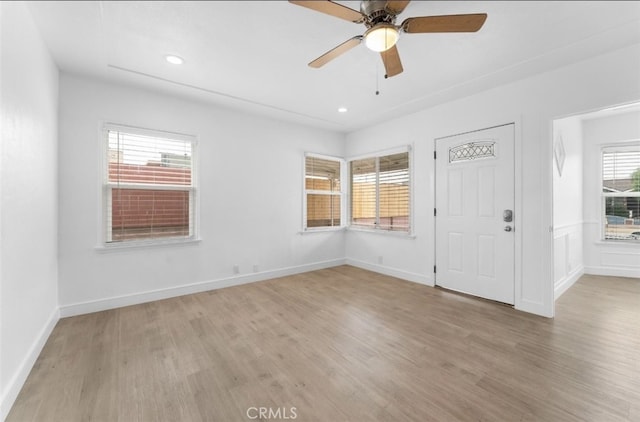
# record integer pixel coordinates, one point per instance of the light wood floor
(344, 344)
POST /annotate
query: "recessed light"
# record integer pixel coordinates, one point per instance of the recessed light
(342, 110)
(174, 59)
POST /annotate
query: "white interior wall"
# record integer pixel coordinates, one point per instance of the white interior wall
(567, 205)
(532, 104)
(28, 198)
(605, 258)
(250, 189)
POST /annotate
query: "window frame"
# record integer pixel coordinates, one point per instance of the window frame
(630, 146)
(107, 187)
(341, 193)
(376, 227)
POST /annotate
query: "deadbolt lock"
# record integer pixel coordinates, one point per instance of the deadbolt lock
(507, 216)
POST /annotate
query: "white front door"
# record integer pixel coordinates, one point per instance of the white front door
(475, 218)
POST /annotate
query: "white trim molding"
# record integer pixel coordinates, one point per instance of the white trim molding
(565, 283)
(613, 271)
(22, 372)
(392, 272)
(186, 289)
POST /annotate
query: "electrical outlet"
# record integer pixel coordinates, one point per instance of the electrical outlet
(256, 268)
(380, 259)
(236, 269)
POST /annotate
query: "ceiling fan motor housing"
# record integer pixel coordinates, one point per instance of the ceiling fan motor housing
(375, 13)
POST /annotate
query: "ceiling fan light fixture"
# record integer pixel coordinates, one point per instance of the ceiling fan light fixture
(381, 37)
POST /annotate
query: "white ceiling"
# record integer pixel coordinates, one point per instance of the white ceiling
(253, 55)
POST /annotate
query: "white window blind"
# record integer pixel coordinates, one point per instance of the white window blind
(621, 192)
(364, 192)
(149, 186)
(380, 192)
(323, 192)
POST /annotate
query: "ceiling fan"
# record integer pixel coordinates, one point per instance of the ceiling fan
(382, 33)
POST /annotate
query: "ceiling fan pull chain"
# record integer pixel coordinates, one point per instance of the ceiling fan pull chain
(377, 79)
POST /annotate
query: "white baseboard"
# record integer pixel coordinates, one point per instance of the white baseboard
(22, 372)
(392, 272)
(613, 271)
(565, 283)
(153, 295)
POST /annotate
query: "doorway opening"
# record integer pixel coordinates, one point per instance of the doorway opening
(596, 195)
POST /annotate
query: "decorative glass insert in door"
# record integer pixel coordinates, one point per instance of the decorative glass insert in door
(472, 151)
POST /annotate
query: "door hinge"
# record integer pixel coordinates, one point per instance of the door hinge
(434, 269)
(434, 155)
(435, 212)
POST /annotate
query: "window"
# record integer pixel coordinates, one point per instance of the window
(322, 191)
(380, 192)
(149, 186)
(621, 192)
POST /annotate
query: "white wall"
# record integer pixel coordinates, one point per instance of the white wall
(250, 190)
(532, 103)
(606, 258)
(28, 199)
(567, 205)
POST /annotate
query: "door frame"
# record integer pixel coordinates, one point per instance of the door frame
(518, 195)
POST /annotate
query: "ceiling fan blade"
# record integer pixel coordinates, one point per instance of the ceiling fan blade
(446, 23)
(395, 7)
(391, 60)
(335, 52)
(331, 8)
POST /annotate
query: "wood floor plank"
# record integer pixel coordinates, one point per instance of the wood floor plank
(344, 344)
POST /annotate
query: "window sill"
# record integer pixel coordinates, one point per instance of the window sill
(323, 230)
(406, 235)
(618, 243)
(127, 246)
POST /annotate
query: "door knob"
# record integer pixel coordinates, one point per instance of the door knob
(508, 228)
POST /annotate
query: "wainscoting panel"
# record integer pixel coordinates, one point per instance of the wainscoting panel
(609, 258)
(568, 257)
